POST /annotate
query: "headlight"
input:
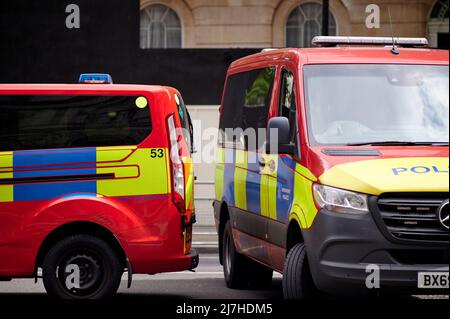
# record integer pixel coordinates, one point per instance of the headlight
(341, 201)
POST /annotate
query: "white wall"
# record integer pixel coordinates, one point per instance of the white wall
(207, 117)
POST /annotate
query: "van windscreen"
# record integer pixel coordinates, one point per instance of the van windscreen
(62, 121)
(356, 104)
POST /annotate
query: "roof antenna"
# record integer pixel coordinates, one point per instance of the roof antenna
(394, 49)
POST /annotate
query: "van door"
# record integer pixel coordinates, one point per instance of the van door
(280, 175)
(188, 134)
(243, 122)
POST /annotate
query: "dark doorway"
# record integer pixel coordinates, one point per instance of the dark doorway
(443, 41)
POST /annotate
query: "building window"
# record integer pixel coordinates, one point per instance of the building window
(304, 23)
(439, 24)
(160, 28)
(440, 10)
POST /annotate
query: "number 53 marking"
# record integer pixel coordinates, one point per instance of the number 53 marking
(157, 153)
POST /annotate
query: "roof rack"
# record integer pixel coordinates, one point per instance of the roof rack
(323, 41)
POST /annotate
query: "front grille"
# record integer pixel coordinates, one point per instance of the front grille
(414, 216)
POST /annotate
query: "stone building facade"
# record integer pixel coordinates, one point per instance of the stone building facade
(273, 23)
(268, 23)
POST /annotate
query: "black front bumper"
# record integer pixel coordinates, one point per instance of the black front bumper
(340, 248)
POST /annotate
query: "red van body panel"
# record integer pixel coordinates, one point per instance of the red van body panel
(147, 227)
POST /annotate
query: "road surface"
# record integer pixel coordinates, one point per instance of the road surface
(206, 283)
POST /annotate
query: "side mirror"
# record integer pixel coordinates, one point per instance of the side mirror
(278, 137)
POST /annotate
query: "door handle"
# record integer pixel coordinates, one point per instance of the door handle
(262, 162)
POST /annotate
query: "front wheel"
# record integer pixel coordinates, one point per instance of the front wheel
(82, 267)
(297, 279)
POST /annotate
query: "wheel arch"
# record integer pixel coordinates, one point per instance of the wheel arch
(80, 228)
(294, 235)
(223, 219)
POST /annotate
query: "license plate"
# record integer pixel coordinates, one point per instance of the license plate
(433, 280)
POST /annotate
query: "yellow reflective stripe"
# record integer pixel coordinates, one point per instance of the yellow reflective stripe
(240, 180)
(189, 171)
(6, 165)
(303, 206)
(298, 216)
(306, 173)
(220, 172)
(264, 196)
(169, 172)
(151, 181)
(269, 186)
(272, 196)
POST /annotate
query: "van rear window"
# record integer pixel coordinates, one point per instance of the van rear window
(52, 122)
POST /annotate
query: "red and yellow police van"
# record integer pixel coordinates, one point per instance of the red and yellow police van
(96, 179)
(333, 168)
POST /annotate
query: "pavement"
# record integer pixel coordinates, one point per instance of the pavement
(205, 239)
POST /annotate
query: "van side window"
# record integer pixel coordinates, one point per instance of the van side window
(288, 107)
(53, 122)
(246, 106)
(186, 122)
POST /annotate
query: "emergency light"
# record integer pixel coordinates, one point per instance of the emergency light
(402, 42)
(95, 78)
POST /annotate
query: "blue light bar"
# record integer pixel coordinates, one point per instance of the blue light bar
(95, 78)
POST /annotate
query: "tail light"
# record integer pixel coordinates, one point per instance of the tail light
(178, 174)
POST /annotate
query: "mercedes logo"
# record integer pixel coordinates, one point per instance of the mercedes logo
(444, 214)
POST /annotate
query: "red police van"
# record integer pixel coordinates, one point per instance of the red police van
(96, 180)
(356, 182)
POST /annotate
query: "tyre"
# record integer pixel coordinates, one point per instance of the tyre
(82, 267)
(297, 279)
(240, 271)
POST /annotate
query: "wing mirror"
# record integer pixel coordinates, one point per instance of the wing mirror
(278, 137)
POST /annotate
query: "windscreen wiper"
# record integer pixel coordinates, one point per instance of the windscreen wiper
(400, 143)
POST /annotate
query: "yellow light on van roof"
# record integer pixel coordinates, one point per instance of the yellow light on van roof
(141, 102)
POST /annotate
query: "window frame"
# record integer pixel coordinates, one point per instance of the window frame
(222, 140)
(436, 24)
(332, 18)
(141, 29)
(53, 96)
(441, 9)
(296, 135)
(186, 123)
